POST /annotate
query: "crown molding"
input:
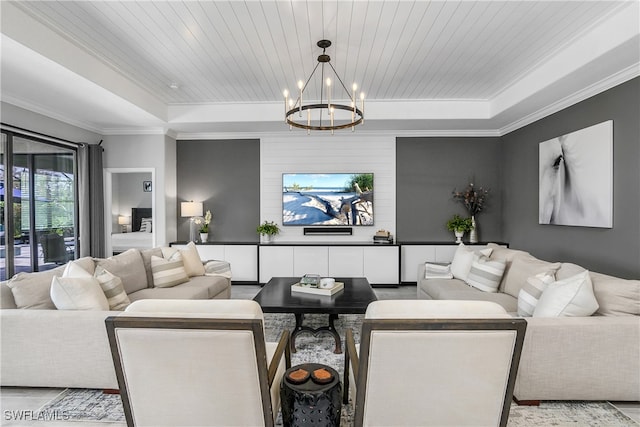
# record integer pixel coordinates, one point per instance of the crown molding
(605, 84)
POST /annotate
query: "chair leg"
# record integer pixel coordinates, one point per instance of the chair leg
(526, 402)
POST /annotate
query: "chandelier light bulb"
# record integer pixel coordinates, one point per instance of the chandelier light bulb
(300, 84)
(286, 93)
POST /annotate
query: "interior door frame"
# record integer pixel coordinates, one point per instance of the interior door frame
(108, 200)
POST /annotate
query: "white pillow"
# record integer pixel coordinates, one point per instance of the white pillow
(571, 297)
(462, 260)
(531, 291)
(74, 270)
(485, 273)
(191, 259)
(78, 293)
(168, 272)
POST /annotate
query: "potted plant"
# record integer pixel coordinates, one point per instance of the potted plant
(474, 199)
(204, 228)
(459, 226)
(268, 229)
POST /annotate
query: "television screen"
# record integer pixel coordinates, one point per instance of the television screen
(327, 199)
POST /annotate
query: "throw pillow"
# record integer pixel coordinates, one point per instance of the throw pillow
(78, 293)
(145, 225)
(129, 267)
(168, 272)
(485, 274)
(112, 287)
(33, 290)
(531, 292)
(73, 269)
(462, 260)
(437, 271)
(571, 297)
(522, 267)
(191, 259)
(146, 261)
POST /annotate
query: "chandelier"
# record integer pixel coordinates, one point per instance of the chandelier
(329, 111)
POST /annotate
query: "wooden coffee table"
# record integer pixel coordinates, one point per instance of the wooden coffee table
(276, 297)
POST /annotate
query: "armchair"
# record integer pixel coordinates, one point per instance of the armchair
(197, 362)
(440, 363)
(54, 249)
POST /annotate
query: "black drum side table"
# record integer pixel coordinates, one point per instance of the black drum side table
(311, 403)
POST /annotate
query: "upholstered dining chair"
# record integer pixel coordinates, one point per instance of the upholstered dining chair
(433, 363)
(197, 363)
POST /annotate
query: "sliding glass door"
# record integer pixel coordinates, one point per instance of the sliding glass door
(39, 215)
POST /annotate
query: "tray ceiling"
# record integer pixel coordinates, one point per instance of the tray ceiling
(239, 56)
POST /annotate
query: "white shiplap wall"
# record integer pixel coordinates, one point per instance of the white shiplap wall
(324, 154)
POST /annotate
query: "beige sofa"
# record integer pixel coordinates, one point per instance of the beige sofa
(564, 358)
(46, 347)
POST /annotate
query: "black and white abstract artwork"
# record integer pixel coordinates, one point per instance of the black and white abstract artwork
(576, 178)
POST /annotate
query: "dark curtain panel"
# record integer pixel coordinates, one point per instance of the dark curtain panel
(91, 221)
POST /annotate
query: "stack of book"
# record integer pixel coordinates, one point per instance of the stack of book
(383, 237)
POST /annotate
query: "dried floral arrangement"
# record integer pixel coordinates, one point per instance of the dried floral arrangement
(473, 198)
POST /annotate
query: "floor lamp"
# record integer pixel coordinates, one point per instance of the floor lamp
(192, 210)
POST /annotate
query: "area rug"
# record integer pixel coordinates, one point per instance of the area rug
(94, 405)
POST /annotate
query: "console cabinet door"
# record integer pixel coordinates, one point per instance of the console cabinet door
(275, 261)
(346, 261)
(381, 265)
(244, 262)
(209, 252)
(412, 257)
(310, 260)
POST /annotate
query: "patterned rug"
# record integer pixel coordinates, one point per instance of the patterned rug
(93, 405)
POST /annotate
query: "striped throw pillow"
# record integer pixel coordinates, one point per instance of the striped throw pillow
(531, 291)
(485, 273)
(113, 289)
(168, 272)
(145, 225)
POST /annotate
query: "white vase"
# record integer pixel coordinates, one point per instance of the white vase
(473, 234)
(204, 237)
(459, 235)
(267, 238)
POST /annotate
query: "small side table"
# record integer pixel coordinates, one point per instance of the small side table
(310, 403)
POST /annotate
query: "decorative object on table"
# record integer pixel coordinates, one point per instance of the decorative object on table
(312, 402)
(459, 226)
(312, 280)
(204, 226)
(192, 210)
(268, 229)
(329, 115)
(383, 237)
(473, 198)
(576, 178)
(337, 287)
(124, 221)
(146, 186)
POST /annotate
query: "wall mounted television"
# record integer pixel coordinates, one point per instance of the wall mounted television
(327, 199)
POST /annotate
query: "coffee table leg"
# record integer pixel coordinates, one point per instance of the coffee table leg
(331, 329)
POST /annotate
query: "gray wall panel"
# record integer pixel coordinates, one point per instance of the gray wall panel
(614, 251)
(225, 176)
(428, 169)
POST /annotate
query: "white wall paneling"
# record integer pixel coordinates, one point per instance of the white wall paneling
(323, 154)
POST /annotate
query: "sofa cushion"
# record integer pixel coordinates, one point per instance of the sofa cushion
(33, 290)
(129, 267)
(78, 293)
(192, 262)
(146, 260)
(168, 272)
(571, 297)
(532, 291)
(112, 287)
(616, 297)
(567, 270)
(500, 252)
(485, 273)
(187, 290)
(521, 268)
(462, 260)
(215, 285)
(509, 303)
(435, 287)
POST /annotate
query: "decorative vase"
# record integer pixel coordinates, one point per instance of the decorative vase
(473, 234)
(459, 235)
(204, 237)
(267, 238)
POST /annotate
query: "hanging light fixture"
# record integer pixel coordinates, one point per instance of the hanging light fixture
(329, 112)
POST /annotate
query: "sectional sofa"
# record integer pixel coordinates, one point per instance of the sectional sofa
(593, 357)
(43, 346)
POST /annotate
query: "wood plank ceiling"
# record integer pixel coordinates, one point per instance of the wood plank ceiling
(249, 51)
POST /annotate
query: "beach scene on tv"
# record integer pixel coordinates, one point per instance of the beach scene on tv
(327, 199)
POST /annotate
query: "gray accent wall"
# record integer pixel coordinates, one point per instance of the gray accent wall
(428, 170)
(613, 251)
(225, 176)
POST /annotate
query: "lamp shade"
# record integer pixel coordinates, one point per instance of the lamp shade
(191, 208)
(124, 220)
